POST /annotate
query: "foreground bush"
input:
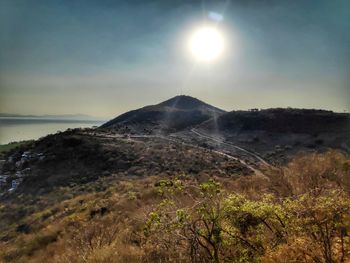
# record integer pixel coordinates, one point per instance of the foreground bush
(217, 226)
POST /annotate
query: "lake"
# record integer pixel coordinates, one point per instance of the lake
(18, 129)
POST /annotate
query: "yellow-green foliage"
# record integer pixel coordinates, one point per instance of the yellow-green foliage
(227, 227)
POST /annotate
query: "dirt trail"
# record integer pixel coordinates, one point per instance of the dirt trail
(254, 155)
(255, 170)
(261, 160)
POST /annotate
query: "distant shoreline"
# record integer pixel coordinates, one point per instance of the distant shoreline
(14, 129)
(49, 119)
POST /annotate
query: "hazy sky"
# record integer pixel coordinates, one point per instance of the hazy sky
(106, 57)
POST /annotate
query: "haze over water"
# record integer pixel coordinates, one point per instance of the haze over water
(18, 129)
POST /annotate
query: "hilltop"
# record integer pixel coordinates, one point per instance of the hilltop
(172, 115)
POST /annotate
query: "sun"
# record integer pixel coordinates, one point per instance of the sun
(206, 43)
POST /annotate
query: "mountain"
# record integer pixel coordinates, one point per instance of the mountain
(275, 133)
(172, 115)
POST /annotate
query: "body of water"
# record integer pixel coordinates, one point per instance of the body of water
(18, 129)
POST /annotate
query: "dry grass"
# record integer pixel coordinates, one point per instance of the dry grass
(103, 221)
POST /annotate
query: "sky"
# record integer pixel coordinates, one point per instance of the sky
(103, 58)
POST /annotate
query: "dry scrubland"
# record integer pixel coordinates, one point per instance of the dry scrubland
(297, 213)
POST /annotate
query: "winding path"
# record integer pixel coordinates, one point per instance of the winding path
(231, 145)
(256, 171)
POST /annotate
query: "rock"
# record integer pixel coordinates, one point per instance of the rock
(2, 162)
(106, 173)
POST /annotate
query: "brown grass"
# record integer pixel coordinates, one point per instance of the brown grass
(103, 221)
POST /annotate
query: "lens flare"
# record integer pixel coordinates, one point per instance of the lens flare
(206, 43)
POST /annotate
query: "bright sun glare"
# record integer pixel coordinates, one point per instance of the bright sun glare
(206, 43)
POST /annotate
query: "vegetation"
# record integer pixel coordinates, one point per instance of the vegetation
(220, 227)
(4, 148)
(76, 158)
(296, 213)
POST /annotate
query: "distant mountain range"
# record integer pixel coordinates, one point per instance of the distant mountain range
(47, 116)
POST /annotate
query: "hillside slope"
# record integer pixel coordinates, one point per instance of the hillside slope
(275, 133)
(281, 120)
(79, 157)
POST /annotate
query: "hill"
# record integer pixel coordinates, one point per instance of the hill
(277, 132)
(117, 218)
(172, 115)
(281, 120)
(80, 157)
